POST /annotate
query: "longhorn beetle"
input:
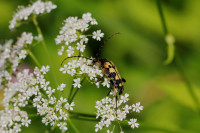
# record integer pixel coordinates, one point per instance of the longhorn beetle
(109, 71)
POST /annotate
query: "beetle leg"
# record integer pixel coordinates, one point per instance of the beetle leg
(115, 98)
(104, 72)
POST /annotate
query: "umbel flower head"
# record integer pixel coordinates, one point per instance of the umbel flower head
(107, 111)
(37, 8)
(11, 55)
(72, 35)
(32, 89)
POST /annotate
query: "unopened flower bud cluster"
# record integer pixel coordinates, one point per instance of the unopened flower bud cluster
(72, 35)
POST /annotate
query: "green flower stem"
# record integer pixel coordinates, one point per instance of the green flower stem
(40, 33)
(82, 115)
(160, 10)
(84, 119)
(71, 99)
(44, 44)
(70, 93)
(169, 41)
(33, 115)
(73, 126)
(71, 90)
(34, 58)
(187, 82)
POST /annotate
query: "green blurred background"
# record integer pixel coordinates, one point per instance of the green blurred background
(170, 94)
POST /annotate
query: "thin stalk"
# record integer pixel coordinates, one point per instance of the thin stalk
(73, 126)
(187, 82)
(34, 58)
(33, 115)
(160, 10)
(82, 115)
(70, 93)
(168, 38)
(71, 99)
(44, 44)
(84, 119)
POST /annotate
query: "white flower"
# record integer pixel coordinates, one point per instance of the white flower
(38, 38)
(77, 83)
(44, 69)
(84, 39)
(99, 126)
(121, 115)
(69, 106)
(125, 98)
(44, 85)
(26, 121)
(133, 123)
(26, 37)
(94, 22)
(17, 128)
(50, 91)
(87, 17)
(81, 47)
(70, 51)
(64, 69)
(97, 35)
(108, 131)
(22, 54)
(137, 107)
(61, 87)
(63, 126)
(106, 83)
(127, 108)
(63, 115)
(60, 51)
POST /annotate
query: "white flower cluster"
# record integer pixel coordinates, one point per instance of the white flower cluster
(106, 109)
(32, 89)
(72, 34)
(11, 55)
(82, 66)
(23, 13)
(12, 120)
(53, 110)
(16, 95)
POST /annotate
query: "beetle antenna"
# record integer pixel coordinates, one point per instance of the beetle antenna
(105, 42)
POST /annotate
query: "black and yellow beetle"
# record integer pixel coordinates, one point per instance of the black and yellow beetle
(109, 71)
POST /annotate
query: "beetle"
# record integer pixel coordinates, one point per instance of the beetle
(109, 71)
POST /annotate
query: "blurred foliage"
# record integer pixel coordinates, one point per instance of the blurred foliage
(138, 52)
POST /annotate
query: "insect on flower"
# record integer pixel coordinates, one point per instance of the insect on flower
(109, 71)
